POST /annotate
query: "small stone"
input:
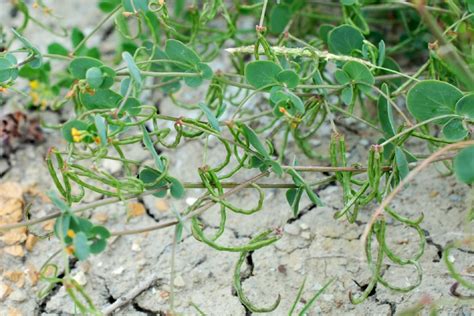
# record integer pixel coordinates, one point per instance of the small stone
(5, 290)
(15, 251)
(455, 198)
(100, 217)
(31, 241)
(364, 142)
(135, 209)
(112, 166)
(179, 282)
(292, 229)
(136, 246)
(18, 296)
(80, 278)
(304, 226)
(161, 205)
(191, 200)
(306, 235)
(118, 271)
(17, 277)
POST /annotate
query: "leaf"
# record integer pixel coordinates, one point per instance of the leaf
(57, 49)
(381, 57)
(430, 98)
(293, 196)
(79, 66)
(312, 196)
(149, 176)
(289, 78)
(454, 130)
(101, 129)
(58, 202)
(347, 94)
(180, 52)
(176, 188)
(402, 163)
(253, 139)
(279, 16)
(79, 125)
(135, 5)
(205, 70)
(8, 69)
(359, 73)
(261, 73)
(101, 99)
(342, 77)
(108, 76)
(133, 69)
(108, 5)
(149, 145)
(94, 77)
(210, 116)
(81, 247)
(465, 106)
(38, 58)
(344, 39)
(464, 165)
(385, 113)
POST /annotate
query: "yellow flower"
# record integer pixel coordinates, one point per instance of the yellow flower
(71, 233)
(70, 249)
(76, 134)
(34, 84)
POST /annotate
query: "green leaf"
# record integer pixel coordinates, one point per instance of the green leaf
(108, 76)
(101, 99)
(133, 69)
(312, 196)
(135, 5)
(58, 202)
(430, 98)
(79, 66)
(347, 94)
(131, 106)
(293, 196)
(454, 130)
(344, 39)
(193, 82)
(253, 139)
(205, 70)
(61, 225)
(402, 163)
(149, 145)
(79, 125)
(464, 165)
(101, 129)
(81, 246)
(279, 16)
(176, 188)
(8, 69)
(210, 116)
(465, 106)
(38, 58)
(94, 77)
(359, 73)
(149, 176)
(385, 113)
(289, 78)
(262, 73)
(57, 49)
(108, 5)
(381, 57)
(342, 77)
(180, 52)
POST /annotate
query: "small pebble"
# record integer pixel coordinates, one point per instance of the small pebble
(18, 296)
(179, 282)
(292, 229)
(451, 258)
(304, 226)
(80, 278)
(306, 235)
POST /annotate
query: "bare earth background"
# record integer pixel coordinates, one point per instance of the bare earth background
(314, 246)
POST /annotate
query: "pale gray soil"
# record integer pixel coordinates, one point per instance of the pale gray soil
(314, 246)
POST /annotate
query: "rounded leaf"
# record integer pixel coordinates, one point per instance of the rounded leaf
(262, 73)
(465, 106)
(359, 73)
(180, 52)
(94, 77)
(464, 165)
(430, 98)
(280, 15)
(67, 128)
(289, 78)
(454, 130)
(79, 66)
(344, 39)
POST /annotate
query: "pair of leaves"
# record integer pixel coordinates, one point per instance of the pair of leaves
(86, 238)
(431, 98)
(293, 196)
(356, 76)
(151, 178)
(263, 161)
(97, 75)
(265, 73)
(188, 61)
